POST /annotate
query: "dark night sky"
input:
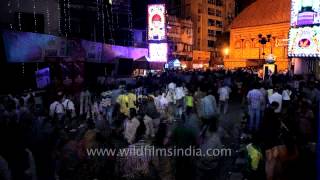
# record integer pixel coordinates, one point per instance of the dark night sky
(139, 12)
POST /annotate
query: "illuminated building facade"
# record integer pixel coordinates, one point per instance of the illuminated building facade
(261, 29)
(179, 34)
(157, 38)
(210, 18)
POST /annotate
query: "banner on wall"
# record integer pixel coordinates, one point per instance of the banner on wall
(156, 22)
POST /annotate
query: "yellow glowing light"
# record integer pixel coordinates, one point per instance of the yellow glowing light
(226, 51)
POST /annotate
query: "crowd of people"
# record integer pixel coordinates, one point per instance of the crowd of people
(46, 136)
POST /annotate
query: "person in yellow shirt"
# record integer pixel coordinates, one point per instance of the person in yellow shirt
(189, 100)
(123, 101)
(132, 98)
(126, 102)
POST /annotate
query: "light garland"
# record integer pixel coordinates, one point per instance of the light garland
(103, 33)
(112, 23)
(23, 69)
(65, 18)
(109, 27)
(34, 15)
(98, 11)
(59, 21)
(48, 18)
(19, 15)
(69, 17)
(10, 13)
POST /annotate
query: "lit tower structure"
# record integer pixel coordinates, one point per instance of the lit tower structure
(157, 38)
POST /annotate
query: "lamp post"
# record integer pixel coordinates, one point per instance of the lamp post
(263, 40)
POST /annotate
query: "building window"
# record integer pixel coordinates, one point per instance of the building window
(219, 2)
(211, 33)
(218, 13)
(211, 22)
(219, 24)
(211, 44)
(198, 30)
(215, 2)
(218, 33)
(199, 18)
(211, 11)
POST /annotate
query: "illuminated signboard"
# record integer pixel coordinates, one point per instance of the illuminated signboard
(304, 42)
(158, 52)
(156, 22)
(305, 12)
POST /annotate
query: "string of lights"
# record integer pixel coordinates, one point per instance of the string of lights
(59, 18)
(103, 33)
(48, 17)
(98, 12)
(112, 23)
(23, 69)
(10, 12)
(69, 17)
(65, 18)
(108, 19)
(34, 15)
(19, 15)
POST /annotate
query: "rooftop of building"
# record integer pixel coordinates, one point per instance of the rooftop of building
(263, 12)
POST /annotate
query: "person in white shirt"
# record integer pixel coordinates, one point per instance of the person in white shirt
(208, 106)
(161, 102)
(276, 97)
(171, 94)
(172, 86)
(69, 107)
(57, 110)
(286, 97)
(180, 94)
(106, 104)
(255, 102)
(224, 93)
(131, 126)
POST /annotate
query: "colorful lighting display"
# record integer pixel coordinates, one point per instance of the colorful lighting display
(304, 42)
(158, 52)
(305, 12)
(34, 47)
(156, 22)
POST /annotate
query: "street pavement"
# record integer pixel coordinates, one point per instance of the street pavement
(230, 167)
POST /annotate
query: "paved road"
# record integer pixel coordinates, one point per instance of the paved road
(230, 123)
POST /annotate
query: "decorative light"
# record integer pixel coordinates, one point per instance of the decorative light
(48, 17)
(69, 17)
(59, 22)
(23, 69)
(108, 18)
(65, 18)
(19, 15)
(103, 33)
(34, 15)
(98, 11)
(10, 12)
